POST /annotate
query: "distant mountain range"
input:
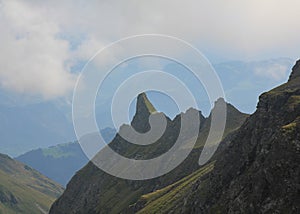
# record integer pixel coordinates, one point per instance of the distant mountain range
(256, 168)
(60, 162)
(24, 190)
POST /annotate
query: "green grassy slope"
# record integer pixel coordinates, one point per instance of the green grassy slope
(24, 190)
(167, 199)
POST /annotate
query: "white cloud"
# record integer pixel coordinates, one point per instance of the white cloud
(35, 59)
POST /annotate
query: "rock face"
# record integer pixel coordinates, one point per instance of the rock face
(94, 191)
(260, 171)
(255, 170)
(295, 71)
(144, 109)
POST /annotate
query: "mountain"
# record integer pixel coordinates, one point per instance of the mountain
(49, 123)
(92, 190)
(258, 173)
(60, 162)
(144, 109)
(24, 190)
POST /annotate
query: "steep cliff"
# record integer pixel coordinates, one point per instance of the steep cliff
(260, 171)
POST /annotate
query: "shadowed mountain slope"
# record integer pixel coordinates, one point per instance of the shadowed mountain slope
(259, 172)
(92, 190)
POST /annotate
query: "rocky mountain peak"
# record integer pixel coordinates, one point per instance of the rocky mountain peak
(295, 71)
(144, 109)
(220, 100)
(221, 103)
(143, 105)
(94, 184)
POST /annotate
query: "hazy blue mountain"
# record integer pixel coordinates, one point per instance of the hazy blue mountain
(60, 162)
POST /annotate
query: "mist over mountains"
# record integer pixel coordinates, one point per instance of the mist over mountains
(50, 123)
(60, 162)
(255, 169)
(149, 107)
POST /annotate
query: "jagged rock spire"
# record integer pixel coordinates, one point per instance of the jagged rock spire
(143, 105)
(144, 109)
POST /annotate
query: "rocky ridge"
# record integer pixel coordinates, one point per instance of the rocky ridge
(100, 192)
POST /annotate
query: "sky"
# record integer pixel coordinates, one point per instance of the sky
(43, 41)
(252, 45)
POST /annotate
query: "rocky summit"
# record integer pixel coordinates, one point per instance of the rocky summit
(144, 109)
(256, 168)
(92, 190)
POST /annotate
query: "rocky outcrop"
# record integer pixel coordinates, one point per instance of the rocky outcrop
(144, 109)
(260, 170)
(295, 71)
(94, 191)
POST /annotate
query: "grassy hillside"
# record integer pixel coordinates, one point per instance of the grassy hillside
(167, 199)
(24, 190)
(59, 163)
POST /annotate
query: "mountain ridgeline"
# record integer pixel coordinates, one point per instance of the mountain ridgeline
(57, 162)
(256, 168)
(92, 190)
(257, 173)
(260, 171)
(62, 161)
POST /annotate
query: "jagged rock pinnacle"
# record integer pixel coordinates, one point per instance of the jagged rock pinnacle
(143, 104)
(144, 109)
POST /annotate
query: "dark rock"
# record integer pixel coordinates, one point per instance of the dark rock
(295, 71)
(93, 191)
(144, 109)
(260, 171)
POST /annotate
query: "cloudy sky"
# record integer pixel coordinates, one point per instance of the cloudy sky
(42, 42)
